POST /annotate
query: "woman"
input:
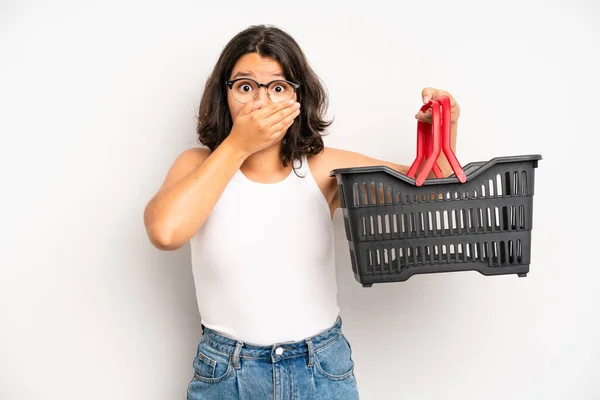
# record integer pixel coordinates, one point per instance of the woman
(256, 203)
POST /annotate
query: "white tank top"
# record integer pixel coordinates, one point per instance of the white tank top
(263, 262)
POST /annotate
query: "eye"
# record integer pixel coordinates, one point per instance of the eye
(280, 87)
(244, 86)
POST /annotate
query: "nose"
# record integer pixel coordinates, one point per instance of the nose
(263, 95)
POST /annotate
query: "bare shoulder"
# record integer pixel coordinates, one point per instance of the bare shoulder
(193, 155)
(185, 163)
(322, 164)
(331, 158)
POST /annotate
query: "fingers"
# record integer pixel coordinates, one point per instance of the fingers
(286, 122)
(273, 108)
(453, 104)
(282, 132)
(281, 115)
(429, 94)
(424, 116)
(250, 107)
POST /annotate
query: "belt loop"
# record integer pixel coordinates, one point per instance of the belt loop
(311, 352)
(236, 355)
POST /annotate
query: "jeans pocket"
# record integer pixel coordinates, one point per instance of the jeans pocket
(334, 360)
(210, 365)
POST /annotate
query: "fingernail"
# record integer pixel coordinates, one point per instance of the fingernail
(297, 105)
(290, 102)
(425, 99)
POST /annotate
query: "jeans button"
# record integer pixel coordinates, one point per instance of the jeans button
(279, 351)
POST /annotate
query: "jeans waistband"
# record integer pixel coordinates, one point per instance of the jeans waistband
(239, 349)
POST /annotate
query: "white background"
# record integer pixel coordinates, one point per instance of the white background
(98, 99)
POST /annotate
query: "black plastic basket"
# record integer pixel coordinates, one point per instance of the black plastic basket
(396, 229)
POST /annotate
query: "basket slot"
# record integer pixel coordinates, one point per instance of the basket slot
(523, 217)
(471, 221)
(462, 221)
(454, 224)
(516, 188)
(480, 220)
(388, 227)
(355, 195)
(371, 192)
(419, 224)
(497, 219)
(499, 187)
(390, 195)
(487, 217)
(401, 258)
(477, 251)
(495, 261)
(485, 254)
(386, 261)
(398, 199)
(432, 227)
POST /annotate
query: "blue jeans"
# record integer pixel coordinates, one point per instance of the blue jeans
(320, 367)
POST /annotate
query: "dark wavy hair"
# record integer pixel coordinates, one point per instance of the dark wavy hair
(304, 136)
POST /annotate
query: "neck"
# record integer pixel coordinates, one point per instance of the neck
(266, 163)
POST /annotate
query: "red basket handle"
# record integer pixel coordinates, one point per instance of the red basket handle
(434, 138)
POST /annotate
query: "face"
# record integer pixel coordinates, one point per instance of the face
(262, 70)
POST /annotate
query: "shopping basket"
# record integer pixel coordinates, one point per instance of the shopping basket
(479, 218)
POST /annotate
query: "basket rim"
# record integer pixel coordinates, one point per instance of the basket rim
(483, 166)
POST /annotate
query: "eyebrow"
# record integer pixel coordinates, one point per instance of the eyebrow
(250, 74)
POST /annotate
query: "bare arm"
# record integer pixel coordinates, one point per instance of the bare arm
(189, 193)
